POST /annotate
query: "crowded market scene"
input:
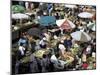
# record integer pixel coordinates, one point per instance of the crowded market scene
(52, 37)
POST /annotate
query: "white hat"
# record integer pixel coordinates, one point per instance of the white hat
(62, 41)
(44, 39)
(55, 37)
(44, 13)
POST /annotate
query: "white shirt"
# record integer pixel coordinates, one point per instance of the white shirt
(42, 42)
(62, 48)
(88, 49)
(26, 5)
(22, 49)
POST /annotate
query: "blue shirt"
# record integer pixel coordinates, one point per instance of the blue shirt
(68, 43)
(24, 41)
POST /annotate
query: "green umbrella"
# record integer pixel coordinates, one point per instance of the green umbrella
(18, 9)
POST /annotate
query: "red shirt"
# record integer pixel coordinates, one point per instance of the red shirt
(85, 65)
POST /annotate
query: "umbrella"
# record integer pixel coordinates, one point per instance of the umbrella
(35, 32)
(92, 26)
(20, 16)
(47, 20)
(81, 36)
(85, 15)
(18, 9)
(65, 24)
(70, 6)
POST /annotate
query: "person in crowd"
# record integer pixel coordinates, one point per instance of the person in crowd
(23, 39)
(68, 42)
(19, 55)
(45, 62)
(43, 43)
(33, 64)
(62, 48)
(47, 35)
(88, 50)
(85, 65)
(33, 45)
(37, 47)
(21, 50)
(56, 64)
(57, 16)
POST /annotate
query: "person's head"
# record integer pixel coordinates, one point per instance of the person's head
(30, 37)
(44, 56)
(69, 38)
(21, 44)
(62, 47)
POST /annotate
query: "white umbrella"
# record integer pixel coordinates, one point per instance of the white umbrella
(92, 26)
(70, 6)
(85, 15)
(65, 24)
(20, 16)
(81, 36)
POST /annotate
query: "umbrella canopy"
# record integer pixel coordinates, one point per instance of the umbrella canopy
(70, 6)
(20, 16)
(85, 15)
(35, 32)
(65, 24)
(18, 9)
(81, 36)
(47, 20)
(92, 26)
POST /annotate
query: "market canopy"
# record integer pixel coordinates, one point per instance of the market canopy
(20, 16)
(65, 24)
(81, 36)
(18, 9)
(85, 15)
(47, 20)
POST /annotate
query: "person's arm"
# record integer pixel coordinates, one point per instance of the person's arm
(19, 42)
(58, 66)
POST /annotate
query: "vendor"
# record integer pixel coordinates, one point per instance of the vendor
(21, 51)
(45, 62)
(43, 43)
(62, 47)
(23, 39)
(68, 42)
